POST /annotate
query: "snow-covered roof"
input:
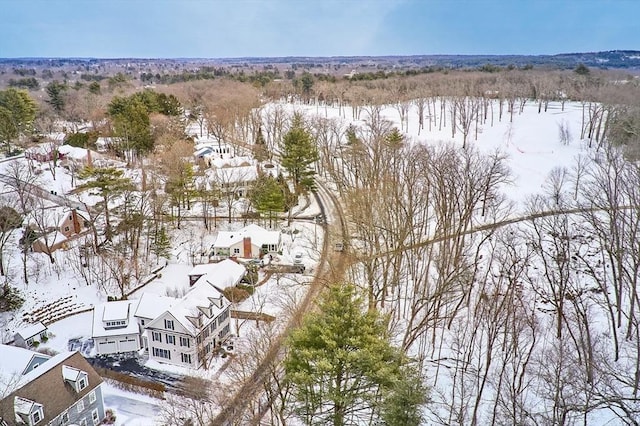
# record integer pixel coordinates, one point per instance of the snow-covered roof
(52, 239)
(259, 236)
(121, 310)
(23, 405)
(202, 295)
(15, 361)
(44, 148)
(52, 216)
(31, 330)
(222, 274)
(151, 305)
(231, 175)
(116, 310)
(70, 373)
(76, 153)
(232, 162)
(43, 368)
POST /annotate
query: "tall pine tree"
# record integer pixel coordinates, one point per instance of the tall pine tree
(298, 153)
(341, 365)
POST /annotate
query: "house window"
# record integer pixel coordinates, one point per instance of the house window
(80, 406)
(223, 316)
(162, 353)
(186, 358)
(171, 339)
(236, 251)
(83, 422)
(168, 324)
(141, 322)
(66, 229)
(156, 336)
(65, 417)
(92, 397)
(82, 383)
(185, 341)
(110, 324)
(95, 417)
(36, 416)
(224, 331)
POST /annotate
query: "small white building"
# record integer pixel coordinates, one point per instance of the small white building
(28, 336)
(252, 241)
(115, 329)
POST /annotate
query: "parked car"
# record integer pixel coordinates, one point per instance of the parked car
(297, 258)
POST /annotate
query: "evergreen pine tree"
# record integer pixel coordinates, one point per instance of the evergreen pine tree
(299, 152)
(341, 364)
(161, 243)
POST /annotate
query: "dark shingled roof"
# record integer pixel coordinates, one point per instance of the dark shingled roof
(46, 386)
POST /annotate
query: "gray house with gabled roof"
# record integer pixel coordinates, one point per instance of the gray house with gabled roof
(62, 390)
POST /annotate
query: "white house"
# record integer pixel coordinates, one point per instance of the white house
(149, 307)
(252, 241)
(187, 334)
(234, 179)
(72, 155)
(183, 331)
(115, 329)
(227, 273)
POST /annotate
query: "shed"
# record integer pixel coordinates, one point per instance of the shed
(26, 337)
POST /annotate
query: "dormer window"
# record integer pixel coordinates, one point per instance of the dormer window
(168, 324)
(36, 416)
(76, 378)
(115, 324)
(29, 412)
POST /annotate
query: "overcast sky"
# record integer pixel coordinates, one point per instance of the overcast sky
(239, 28)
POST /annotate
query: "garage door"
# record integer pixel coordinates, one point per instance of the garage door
(108, 347)
(128, 345)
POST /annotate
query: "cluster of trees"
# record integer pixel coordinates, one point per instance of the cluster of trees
(17, 115)
(131, 121)
(512, 318)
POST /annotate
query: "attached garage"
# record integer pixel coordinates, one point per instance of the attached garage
(107, 347)
(128, 344)
(114, 328)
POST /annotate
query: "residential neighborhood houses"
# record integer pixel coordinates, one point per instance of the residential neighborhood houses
(109, 232)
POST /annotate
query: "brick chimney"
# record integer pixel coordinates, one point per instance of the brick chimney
(246, 246)
(76, 221)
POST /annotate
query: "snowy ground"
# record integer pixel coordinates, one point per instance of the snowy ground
(531, 143)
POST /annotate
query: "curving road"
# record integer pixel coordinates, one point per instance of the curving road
(331, 268)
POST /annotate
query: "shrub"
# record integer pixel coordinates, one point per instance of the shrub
(235, 294)
(248, 288)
